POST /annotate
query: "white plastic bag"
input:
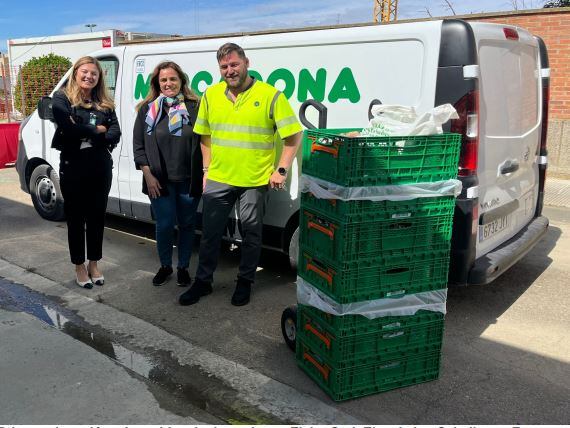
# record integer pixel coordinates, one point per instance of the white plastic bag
(398, 120)
(409, 304)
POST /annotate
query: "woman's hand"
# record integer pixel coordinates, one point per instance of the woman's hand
(152, 184)
(100, 129)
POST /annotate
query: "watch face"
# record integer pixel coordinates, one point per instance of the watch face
(282, 171)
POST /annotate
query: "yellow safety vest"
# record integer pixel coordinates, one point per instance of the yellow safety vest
(243, 133)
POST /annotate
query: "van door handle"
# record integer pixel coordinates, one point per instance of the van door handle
(508, 167)
(321, 109)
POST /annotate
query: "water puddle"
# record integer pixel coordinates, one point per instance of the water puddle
(187, 384)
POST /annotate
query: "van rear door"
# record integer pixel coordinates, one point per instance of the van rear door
(510, 117)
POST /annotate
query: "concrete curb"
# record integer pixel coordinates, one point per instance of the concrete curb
(246, 392)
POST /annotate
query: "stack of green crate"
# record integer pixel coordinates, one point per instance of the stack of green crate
(355, 251)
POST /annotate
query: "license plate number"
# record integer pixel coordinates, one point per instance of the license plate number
(488, 230)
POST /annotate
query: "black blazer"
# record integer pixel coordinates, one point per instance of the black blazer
(146, 152)
(70, 133)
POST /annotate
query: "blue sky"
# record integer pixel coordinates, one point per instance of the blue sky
(31, 18)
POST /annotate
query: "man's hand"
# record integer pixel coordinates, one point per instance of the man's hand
(204, 179)
(277, 181)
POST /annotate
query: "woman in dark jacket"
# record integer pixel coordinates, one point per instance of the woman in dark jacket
(87, 130)
(168, 153)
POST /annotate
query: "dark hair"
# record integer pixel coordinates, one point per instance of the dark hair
(227, 49)
(154, 90)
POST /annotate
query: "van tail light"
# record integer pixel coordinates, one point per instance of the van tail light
(468, 126)
(511, 33)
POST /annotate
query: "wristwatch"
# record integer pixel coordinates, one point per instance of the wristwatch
(282, 171)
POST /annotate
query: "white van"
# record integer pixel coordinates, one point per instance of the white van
(496, 76)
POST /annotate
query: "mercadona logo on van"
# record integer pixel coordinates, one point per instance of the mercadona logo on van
(305, 85)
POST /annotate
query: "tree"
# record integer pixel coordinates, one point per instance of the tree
(37, 78)
(557, 3)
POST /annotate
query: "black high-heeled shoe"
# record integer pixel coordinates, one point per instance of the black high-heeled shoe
(99, 280)
(84, 284)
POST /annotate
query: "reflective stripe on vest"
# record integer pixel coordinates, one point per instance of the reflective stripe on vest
(245, 129)
(242, 144)
(287, 121)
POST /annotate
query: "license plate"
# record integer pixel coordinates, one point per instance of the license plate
(488, 230)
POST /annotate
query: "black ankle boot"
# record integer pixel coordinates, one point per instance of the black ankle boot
(198, 289)
(242, 292)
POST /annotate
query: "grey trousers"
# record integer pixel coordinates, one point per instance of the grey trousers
(218, 201)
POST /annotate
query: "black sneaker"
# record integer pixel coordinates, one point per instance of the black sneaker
(183, 277)
(198, 289)
(162, 275)
(242, 292)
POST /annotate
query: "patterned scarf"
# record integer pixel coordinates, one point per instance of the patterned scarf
(177, 114)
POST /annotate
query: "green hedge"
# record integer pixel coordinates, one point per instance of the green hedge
(37, 78)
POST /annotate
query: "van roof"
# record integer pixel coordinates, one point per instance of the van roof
(266, 32)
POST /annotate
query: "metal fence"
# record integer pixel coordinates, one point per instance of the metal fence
(22, 88)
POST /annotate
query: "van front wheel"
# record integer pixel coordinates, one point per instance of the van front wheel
(46, 193)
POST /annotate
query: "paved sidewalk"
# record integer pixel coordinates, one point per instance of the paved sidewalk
(557, 192)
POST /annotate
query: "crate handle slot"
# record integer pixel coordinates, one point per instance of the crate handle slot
(393, 335)
(390, 365)
(325, 230)
(401, 225)
(325, 275)
(316, 147)
(396, 294)
(323, 369)
(320, 335)
(395, 271)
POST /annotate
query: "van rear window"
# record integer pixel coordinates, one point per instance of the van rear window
(509, 88)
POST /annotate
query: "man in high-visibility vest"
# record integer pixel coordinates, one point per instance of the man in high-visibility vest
(238, 120)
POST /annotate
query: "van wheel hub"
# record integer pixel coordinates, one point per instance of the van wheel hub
(46, 192)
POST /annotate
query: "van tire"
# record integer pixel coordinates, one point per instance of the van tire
(46, 193)
(293, 250)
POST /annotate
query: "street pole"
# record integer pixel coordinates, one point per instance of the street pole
(90, 26)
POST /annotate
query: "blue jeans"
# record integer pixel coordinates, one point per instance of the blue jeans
(178, 205)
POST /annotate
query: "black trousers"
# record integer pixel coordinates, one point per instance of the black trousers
(218, 201)
(85, 180)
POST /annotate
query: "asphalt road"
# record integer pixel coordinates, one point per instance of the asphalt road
(506, 351)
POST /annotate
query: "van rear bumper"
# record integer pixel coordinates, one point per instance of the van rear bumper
(493, 264)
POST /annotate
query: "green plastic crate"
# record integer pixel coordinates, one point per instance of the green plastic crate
(347, 241)
(386, 277)
(376, 161)
(352, 350)
(352, 382)
(350, 325)
(357, 211)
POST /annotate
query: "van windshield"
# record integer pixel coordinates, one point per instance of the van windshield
(509, 88)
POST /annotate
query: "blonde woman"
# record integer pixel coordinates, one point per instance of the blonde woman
(167, 151)
(87, 131)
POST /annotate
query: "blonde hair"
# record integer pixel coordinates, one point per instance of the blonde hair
(100, 98)
(154, 90)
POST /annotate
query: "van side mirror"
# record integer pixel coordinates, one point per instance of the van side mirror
(45, 109)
